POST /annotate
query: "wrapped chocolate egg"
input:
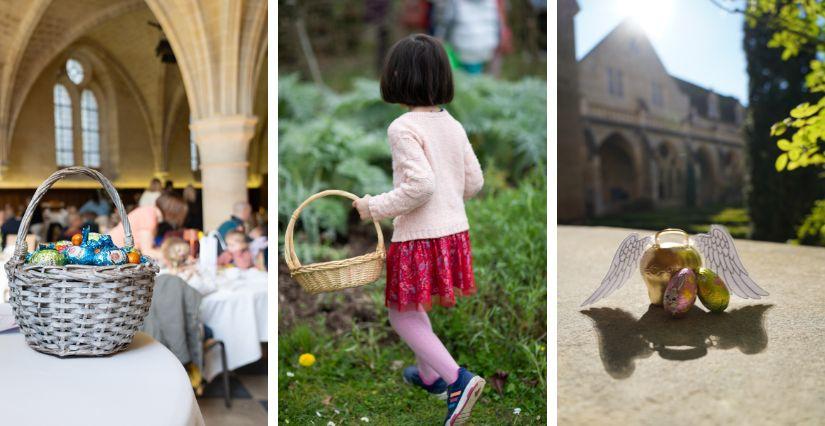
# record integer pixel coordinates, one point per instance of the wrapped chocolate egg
(99, 242)
(47, 257)
(680, 294)
(111, 256)
(61, 246)
(713, 293)
(80, 255)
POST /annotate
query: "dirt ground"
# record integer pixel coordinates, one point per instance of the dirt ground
(341, 309)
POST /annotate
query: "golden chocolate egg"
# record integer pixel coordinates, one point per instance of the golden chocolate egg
(664, 259)
(712, 290)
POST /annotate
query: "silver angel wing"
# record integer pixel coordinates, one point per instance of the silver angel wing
(625, 261)
(720, 256)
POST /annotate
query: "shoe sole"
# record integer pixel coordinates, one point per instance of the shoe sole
(442, 396)
(466, 403)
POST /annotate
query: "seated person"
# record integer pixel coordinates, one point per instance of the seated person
(75, 226)
(90, 220)
(237, 251)
(241, 212)
(258, 246)
(98, 205)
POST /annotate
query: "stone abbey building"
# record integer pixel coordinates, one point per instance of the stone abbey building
(643, 139)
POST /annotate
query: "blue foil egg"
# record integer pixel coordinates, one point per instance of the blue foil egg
(112, 256)
(80, 255)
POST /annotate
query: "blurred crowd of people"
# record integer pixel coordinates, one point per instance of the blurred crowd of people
(475, 33)
(158, 214)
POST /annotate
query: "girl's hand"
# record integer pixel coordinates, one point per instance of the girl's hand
(363, 207)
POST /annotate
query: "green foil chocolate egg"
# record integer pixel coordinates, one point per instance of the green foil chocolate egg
(713, 293)
(47, 257)
(680, 294)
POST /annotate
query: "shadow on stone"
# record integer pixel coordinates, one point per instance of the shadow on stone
(623, 338)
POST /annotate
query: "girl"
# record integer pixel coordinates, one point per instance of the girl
(434, 172)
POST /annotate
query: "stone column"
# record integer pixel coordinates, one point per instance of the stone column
(223, 143)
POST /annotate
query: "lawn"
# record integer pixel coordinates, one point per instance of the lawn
(691, 220)
(499, 333)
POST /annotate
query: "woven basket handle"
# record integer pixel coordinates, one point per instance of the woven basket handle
(672, 231)
(289, 245)
(20, 245)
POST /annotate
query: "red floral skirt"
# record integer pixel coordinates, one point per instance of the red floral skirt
(423, 272)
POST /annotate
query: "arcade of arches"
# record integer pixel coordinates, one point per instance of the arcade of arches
(174, 89)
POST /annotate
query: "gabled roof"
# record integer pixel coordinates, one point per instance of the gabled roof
(699, 101)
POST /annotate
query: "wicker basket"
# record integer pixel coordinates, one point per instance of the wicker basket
(78, 310)
(339, 274)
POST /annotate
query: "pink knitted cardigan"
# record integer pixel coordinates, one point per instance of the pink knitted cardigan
(434, 170)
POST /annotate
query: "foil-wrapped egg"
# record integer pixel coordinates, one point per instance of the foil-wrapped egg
(47, 257)
(62, 246)
(680, 294)
(713, 293)
(80, 255)
(108, 257)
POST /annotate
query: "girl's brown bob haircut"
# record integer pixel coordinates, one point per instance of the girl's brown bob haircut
(417, 73)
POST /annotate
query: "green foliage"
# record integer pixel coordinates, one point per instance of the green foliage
(796, 29)
(501, 328)
(330, 140)
(812, 230)
(777, 202)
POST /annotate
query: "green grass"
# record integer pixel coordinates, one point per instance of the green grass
(691, 220)
(501, 328)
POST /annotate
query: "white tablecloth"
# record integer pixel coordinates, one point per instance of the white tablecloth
(143, 385)
(236, 313)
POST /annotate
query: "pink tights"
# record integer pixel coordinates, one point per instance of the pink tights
(433, 359)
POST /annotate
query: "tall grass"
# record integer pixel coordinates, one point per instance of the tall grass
(500, 330)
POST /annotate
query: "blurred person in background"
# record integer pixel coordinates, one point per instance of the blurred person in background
(151, 195)
(38, 222)
(169, 188)
(90, 220)
(241, 212)
(97, 205)
(144, 221)
(11, 223)
(74, 226)
(474, 29)
(258, 246)
(194, 220)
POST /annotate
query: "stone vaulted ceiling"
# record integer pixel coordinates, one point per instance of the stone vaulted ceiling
(220, 47)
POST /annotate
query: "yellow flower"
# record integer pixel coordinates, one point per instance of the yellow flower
(306, 360)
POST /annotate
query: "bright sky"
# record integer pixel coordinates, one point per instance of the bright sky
(696, 41)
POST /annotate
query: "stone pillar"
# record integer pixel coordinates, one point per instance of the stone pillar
(223, 143)
(570, 138)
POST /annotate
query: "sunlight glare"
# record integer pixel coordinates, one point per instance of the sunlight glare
(652, 15)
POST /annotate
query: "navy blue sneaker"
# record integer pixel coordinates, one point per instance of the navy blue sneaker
(461, 396)
(437, 388)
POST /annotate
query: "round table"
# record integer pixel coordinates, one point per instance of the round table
(143, 385)
(237, 315)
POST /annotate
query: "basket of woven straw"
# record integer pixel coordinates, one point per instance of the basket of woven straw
(78, 310)
(338, 274)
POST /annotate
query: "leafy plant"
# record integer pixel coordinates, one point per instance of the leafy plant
(796, 27)
(812, 230)
(331, 140)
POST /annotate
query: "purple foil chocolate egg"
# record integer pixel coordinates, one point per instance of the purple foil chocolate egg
(680, 294)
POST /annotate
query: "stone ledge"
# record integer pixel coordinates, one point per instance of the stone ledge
(621, 362)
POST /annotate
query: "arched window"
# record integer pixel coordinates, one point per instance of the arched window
(90, 124)
(73, 94)
(64, 142)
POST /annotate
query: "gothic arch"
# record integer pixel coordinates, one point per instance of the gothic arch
(619, 172)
